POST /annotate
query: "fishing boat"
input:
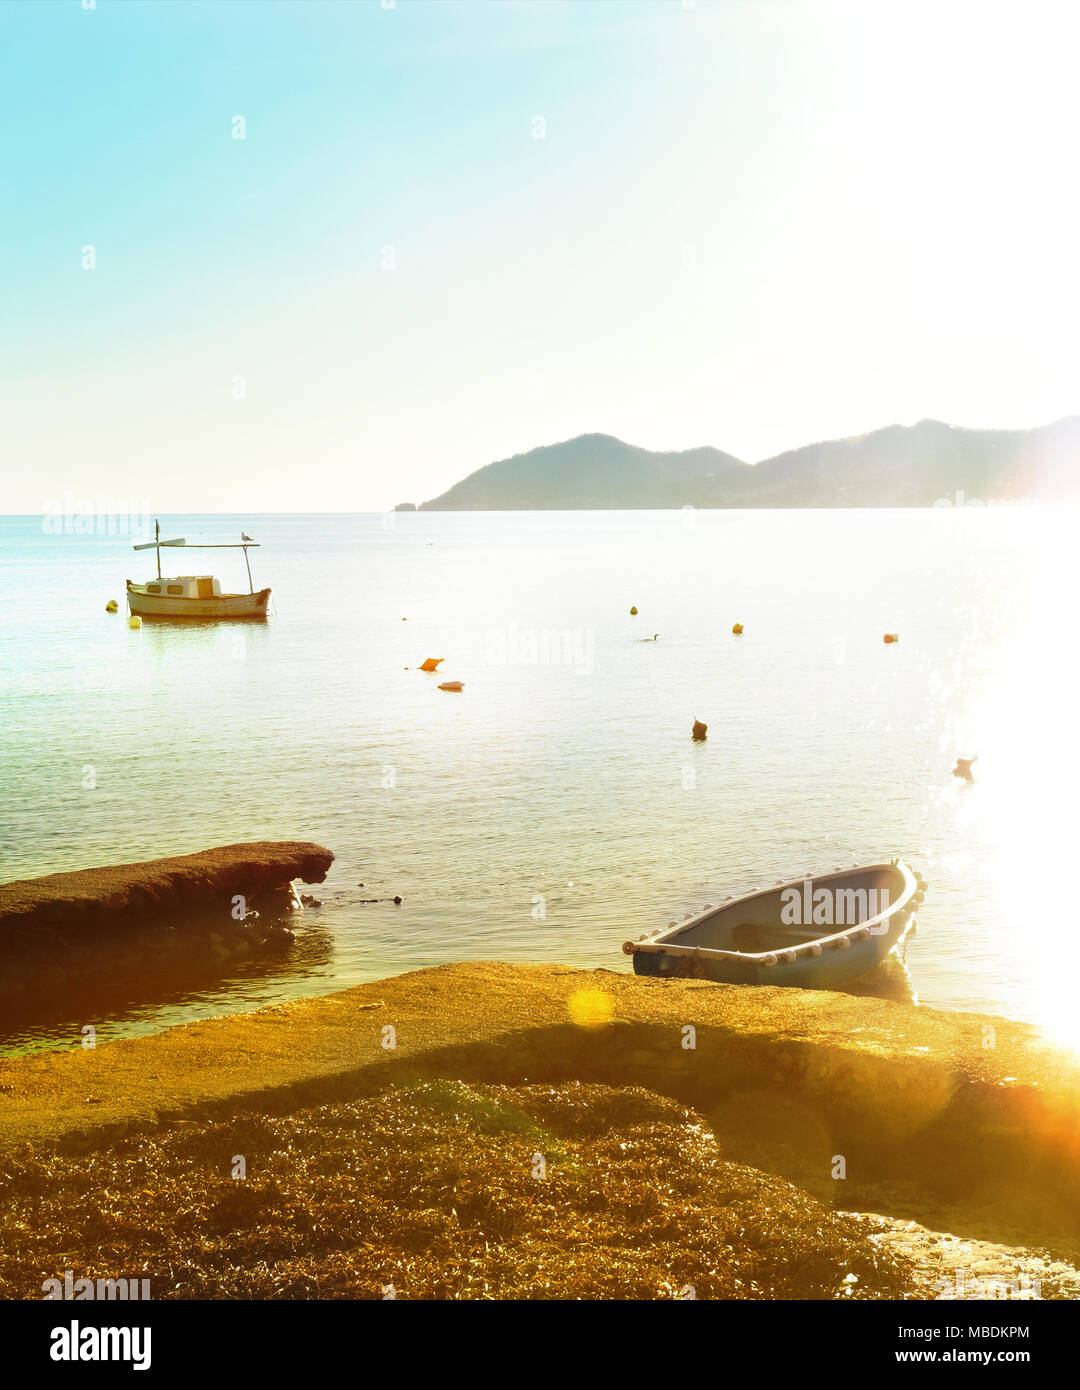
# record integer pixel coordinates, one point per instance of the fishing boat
(816, 932)
(195, 595)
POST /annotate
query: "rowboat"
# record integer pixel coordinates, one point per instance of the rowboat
(195, 595)
(816, 932)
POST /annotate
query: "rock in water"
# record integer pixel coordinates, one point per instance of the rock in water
(700, 731)
(122, 917)
(156, 891)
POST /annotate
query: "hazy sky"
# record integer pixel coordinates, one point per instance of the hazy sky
(748, 224)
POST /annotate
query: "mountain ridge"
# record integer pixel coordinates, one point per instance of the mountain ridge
(896, 465)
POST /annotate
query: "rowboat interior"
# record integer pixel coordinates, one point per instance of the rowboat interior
(756, 924)
(817, 932)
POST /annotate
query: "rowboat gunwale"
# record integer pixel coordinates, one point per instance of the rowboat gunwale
(662, 941)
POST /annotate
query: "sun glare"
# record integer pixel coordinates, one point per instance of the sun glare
(1028, 761)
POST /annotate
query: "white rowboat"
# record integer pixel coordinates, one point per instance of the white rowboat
(817, 932)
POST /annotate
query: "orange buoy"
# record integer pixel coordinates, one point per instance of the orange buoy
(737, 629)
(892, 637)
(432, 663)
(452, 685)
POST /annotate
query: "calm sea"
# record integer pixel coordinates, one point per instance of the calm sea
(558, 805)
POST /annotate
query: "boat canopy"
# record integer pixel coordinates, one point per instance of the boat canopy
(245, 544)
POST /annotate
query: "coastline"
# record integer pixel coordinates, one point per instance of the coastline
(934, 1126)
(885, 1070)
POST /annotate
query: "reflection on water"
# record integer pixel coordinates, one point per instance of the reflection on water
(1017, 817)
(558, 806)
(889, 980)
(178, 990)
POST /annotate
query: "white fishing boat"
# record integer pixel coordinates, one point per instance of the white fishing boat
(195, 595)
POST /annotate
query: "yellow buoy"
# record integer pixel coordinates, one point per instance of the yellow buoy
(111, 606)
(737, 629)
(134, 620)
(633, 612)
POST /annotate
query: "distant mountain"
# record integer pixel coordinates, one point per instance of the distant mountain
(592, 471)
(899, 466)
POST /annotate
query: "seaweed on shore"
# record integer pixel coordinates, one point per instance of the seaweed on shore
(441, 1190)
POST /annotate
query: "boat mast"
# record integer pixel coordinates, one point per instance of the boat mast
(157, 543)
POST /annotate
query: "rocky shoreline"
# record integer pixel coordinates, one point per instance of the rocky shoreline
(931, 1122)
(218, 904)
(697, 1135)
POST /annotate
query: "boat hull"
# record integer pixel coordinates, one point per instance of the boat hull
(800, 958)
(221, 606)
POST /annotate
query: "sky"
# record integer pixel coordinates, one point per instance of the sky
(454, 231)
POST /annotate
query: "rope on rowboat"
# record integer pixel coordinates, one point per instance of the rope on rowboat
(786, 957)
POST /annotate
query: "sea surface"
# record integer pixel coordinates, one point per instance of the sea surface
(557, 805)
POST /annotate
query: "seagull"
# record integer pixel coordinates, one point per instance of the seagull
(244, 536)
